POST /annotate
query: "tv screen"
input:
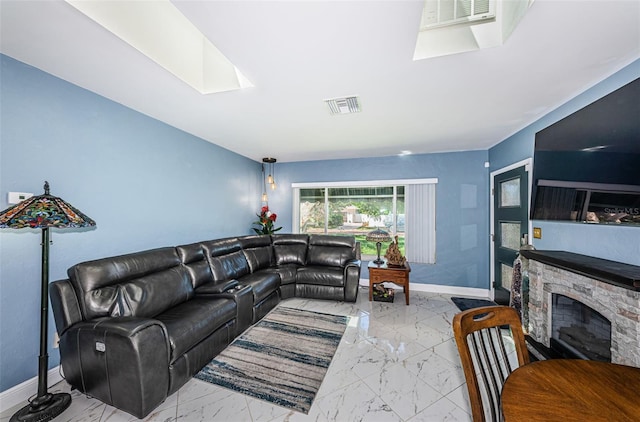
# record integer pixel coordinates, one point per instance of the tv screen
(587, 165)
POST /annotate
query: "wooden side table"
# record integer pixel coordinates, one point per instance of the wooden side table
(396, 275)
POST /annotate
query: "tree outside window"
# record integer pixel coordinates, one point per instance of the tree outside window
(353, 211)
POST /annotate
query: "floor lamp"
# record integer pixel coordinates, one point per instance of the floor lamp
(43, 212)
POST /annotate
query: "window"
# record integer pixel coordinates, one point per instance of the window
(587, 202)
(405, 208)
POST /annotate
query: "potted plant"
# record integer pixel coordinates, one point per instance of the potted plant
(265, 223)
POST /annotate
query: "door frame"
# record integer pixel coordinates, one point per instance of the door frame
(528, 166)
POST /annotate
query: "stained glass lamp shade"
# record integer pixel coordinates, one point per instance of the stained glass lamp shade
(378, 236)
(43, 212)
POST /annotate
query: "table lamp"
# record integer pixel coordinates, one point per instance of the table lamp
(378, 236)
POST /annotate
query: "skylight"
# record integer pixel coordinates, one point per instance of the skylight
(158, 30)
(458, 26)
(450, 12)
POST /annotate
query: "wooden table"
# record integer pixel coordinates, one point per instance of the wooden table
(396, 275)
(572, 390)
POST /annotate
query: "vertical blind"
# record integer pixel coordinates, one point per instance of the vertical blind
(420, 234)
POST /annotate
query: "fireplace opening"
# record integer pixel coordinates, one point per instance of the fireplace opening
(578, 331)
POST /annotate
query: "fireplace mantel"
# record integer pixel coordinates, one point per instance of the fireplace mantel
(619, 274)
(610, 288)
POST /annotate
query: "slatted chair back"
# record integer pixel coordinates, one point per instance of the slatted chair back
(489, 340)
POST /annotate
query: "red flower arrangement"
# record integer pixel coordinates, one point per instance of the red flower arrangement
(266, 221)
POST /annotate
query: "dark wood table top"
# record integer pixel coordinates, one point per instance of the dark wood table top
(386, 266)
(572, 390)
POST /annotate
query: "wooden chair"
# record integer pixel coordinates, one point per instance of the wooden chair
(480, 335)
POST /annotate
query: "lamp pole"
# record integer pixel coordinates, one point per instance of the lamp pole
(43, 360)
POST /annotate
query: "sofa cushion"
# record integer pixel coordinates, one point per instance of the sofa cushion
(324, 276)
(317, 291)
(258, 251)
(226, 259)
(193, 258)
(333, 251)
(191, 322)
(152, 294)
(287, 273)
(290, 248)
(263, 283)
(230, 266)
(141, 284)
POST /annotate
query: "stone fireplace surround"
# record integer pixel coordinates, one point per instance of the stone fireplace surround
(609, 287)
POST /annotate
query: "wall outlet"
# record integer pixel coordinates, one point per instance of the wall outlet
(537, 233)
(56, 340)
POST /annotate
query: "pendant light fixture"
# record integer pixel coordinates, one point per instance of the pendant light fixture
(265, 198)
(270, 180)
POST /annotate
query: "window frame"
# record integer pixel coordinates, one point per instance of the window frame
(296, 186)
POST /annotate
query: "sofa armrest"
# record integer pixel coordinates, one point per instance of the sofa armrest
(65, 306)
(351, 280)
(216, 288)
(242, 295)
(122, 361)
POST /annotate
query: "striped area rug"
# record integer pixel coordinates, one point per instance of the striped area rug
(282, 359)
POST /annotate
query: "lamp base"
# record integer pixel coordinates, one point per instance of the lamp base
(378, 261)
(43, 409)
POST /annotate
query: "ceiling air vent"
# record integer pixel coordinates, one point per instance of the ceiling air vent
(438, 13)
(343, 105)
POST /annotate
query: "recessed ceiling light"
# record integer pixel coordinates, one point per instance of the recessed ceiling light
(161, 32)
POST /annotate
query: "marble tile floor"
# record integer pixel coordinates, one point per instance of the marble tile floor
(394, 363)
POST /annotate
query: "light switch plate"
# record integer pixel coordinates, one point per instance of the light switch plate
(17, 197)
(537, 233)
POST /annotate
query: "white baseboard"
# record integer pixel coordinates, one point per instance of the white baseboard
(440, 289)
(21, 392)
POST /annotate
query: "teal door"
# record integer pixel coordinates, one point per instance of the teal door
(510, 224)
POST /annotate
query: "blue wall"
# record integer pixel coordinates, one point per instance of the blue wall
(462, 208)
(146, 184)
(621, 243)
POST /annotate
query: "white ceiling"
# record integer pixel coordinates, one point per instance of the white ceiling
(298, 53)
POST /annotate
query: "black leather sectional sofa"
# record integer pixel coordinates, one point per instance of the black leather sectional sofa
(134, 328)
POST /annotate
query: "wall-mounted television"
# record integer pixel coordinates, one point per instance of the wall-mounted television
(587, 165)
